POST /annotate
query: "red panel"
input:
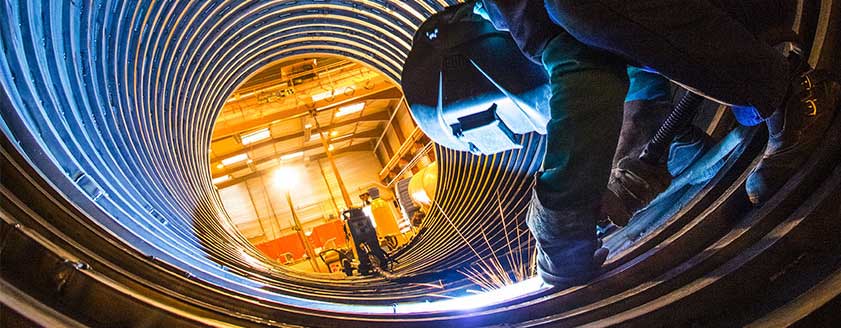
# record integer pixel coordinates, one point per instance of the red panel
(286, 244)
(267, 249)
(292, 244)
(332, 229)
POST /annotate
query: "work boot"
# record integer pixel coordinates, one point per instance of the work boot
(794, 131)
(688, 147)
(568, 252)
(634, 183)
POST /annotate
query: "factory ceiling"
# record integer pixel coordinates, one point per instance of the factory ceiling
(283, 111)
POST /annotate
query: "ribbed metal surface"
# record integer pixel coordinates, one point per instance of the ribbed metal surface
(479, 195)
(109, 216)
(122, 97)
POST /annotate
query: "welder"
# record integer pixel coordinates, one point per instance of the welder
(723, 50)
(470, 90)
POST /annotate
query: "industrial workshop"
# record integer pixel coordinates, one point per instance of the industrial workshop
(420, 163)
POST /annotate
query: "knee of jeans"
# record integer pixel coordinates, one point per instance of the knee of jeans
(556, 230)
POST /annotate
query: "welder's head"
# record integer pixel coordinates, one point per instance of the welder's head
(469, 87)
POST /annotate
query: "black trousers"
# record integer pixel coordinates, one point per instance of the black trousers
(715, 48)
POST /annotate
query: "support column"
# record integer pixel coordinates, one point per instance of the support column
(304, 240)
(271, 206)
(254, 207)
(326, 145)
(329, 190)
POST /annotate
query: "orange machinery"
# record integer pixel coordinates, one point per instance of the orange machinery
(320, 236)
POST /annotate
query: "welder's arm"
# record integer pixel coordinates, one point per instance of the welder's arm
(526, 20)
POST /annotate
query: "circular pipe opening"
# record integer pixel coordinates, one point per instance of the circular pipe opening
(108, 112)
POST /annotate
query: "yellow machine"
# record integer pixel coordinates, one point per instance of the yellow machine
(422, 186)
(385, 216)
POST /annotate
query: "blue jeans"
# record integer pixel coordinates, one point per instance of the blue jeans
(588, 90)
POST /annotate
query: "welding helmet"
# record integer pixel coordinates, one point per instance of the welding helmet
(469, 87)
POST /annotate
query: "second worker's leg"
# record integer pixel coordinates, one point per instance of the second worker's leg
(633, 184)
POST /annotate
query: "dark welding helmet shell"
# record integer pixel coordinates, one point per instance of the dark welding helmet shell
(469, 87)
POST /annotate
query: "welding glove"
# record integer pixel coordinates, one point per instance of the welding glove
(633, 184)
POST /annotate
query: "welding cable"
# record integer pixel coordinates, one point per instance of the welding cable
(680, 117)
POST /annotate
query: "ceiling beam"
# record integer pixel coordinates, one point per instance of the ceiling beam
(366, 146)
(369, 134)
(354, 147)
(272, 77)
(380, 116)
(382, 90)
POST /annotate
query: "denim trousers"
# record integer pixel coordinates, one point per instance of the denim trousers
(589, 88)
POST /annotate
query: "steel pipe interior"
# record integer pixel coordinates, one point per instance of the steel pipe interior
(123, 96)
(107, 111)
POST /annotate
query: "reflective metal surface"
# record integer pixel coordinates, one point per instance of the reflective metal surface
(109, 216)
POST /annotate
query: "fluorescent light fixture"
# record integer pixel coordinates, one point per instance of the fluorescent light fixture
(344, 136)
(323, 95)
(221, 179)
(235, 159)
(330, 148)
(291, 156)
(334, 133)
(308, 126)
(255, 136)
(220, 166)
(350, 109)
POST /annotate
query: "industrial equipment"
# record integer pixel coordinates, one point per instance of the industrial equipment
(371, 256)
(109, 218)
(422, 186)
(385, 216)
